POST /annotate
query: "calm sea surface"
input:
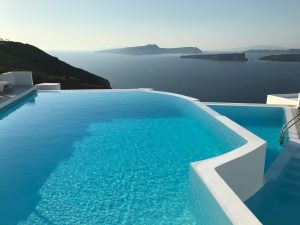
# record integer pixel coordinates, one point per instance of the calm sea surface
(206, 80)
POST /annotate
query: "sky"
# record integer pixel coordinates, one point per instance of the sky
(103, 24)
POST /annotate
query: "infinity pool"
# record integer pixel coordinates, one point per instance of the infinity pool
(103, 157)
(265, 122)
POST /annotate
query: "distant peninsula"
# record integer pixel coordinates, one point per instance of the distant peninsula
(282, 57)
(152, 50)
(274, 51)
(219, 57)
(16, 56)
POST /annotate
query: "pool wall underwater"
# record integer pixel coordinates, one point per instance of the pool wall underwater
(220, 184)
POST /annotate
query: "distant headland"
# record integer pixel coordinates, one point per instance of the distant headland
(283, 58)
(152, 50)
(219, 57)
(274, 51)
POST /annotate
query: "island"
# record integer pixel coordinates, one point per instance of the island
(152, 49)
(218, 57)
(282, 57)
(16, 56)
(274, 51)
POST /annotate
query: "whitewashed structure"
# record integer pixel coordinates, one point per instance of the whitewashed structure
(48, 86)
(284, 99)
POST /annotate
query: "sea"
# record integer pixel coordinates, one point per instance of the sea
(209, 81)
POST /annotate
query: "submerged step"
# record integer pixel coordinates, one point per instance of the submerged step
(290, 184)
(297, 155)
(290, 175)
(295, 160)
(294, 173)
(289, 194)
(283, 162)
(293, 167)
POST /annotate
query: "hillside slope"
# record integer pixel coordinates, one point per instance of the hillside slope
(15, 56)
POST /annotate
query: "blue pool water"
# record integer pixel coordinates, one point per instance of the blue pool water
(265, 122)
(103, 158)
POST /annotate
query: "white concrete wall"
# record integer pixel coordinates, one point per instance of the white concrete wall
(48, 86)
(242, 176)
(18, 77)
(17, 97)
(287, 99)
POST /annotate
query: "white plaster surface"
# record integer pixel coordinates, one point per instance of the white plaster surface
(12, 99)
(284, 99)
(48, 86)
(23, 78)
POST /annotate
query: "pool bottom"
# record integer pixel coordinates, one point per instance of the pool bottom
(141, 187)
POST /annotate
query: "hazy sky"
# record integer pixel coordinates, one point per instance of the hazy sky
(99, 24)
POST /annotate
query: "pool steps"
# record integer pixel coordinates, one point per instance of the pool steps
(278, 166)
(289, 181)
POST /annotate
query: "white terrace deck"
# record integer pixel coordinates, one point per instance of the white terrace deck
(284, 99)
(17, 91)
(22, 84)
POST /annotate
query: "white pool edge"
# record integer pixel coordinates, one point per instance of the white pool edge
(12, 100)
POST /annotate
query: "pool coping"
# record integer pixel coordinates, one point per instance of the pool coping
(209, 170)
(14, 99)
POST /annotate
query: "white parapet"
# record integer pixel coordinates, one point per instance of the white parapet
(17, 97)
(23, 78)
(284, 99)
(48, 86)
